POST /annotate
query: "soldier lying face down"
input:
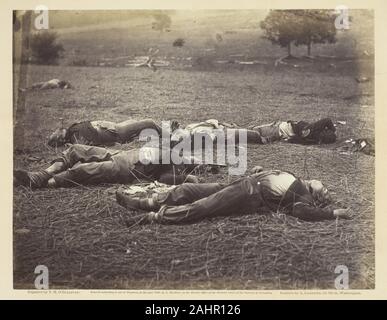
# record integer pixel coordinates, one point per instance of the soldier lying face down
(320, 132)
(276, 190)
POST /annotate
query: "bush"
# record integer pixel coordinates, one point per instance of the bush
(179, 42)
(44, 47)
(79, 62)
(162, 21)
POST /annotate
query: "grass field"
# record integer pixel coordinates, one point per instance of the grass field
(80, 233)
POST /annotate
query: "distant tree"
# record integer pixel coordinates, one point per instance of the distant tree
(317, 26)
(279, 27)
(45, 48)
(162, 21)
(301, 27)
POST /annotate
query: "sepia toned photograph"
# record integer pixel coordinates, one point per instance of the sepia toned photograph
(194, 149)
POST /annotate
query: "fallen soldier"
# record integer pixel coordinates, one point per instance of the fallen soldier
(212, 128)
(320, 132)
(51, 84)
(277, 190)
(102, 133)
(85, 165)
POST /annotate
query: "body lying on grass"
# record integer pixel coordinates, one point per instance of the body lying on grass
(321, 131)
(211, 128)
(101, 133)
(84, 165)
(50, 84)
(277, 190)
(105, 133)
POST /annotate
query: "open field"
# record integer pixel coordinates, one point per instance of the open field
(80, 233)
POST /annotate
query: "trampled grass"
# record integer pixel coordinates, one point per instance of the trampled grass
(80, 233)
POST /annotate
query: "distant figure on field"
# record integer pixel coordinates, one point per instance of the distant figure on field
(51, 84)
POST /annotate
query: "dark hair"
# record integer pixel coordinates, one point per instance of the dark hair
(63, 83)
(327, 136)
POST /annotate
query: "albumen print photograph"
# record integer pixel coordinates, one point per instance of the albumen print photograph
(193, 149)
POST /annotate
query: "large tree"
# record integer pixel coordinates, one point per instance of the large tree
(301, 27)
(162, 21)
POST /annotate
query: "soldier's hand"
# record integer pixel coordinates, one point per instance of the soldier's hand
(342, 213)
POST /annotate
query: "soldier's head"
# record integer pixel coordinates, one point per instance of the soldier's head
(319, 192)
(63, 84)
(174, 125)
(327, 136)
(57, 138)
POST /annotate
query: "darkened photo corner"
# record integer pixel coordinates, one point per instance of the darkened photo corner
(193, 150)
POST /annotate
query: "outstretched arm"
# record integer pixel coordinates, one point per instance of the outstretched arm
(307, 212)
